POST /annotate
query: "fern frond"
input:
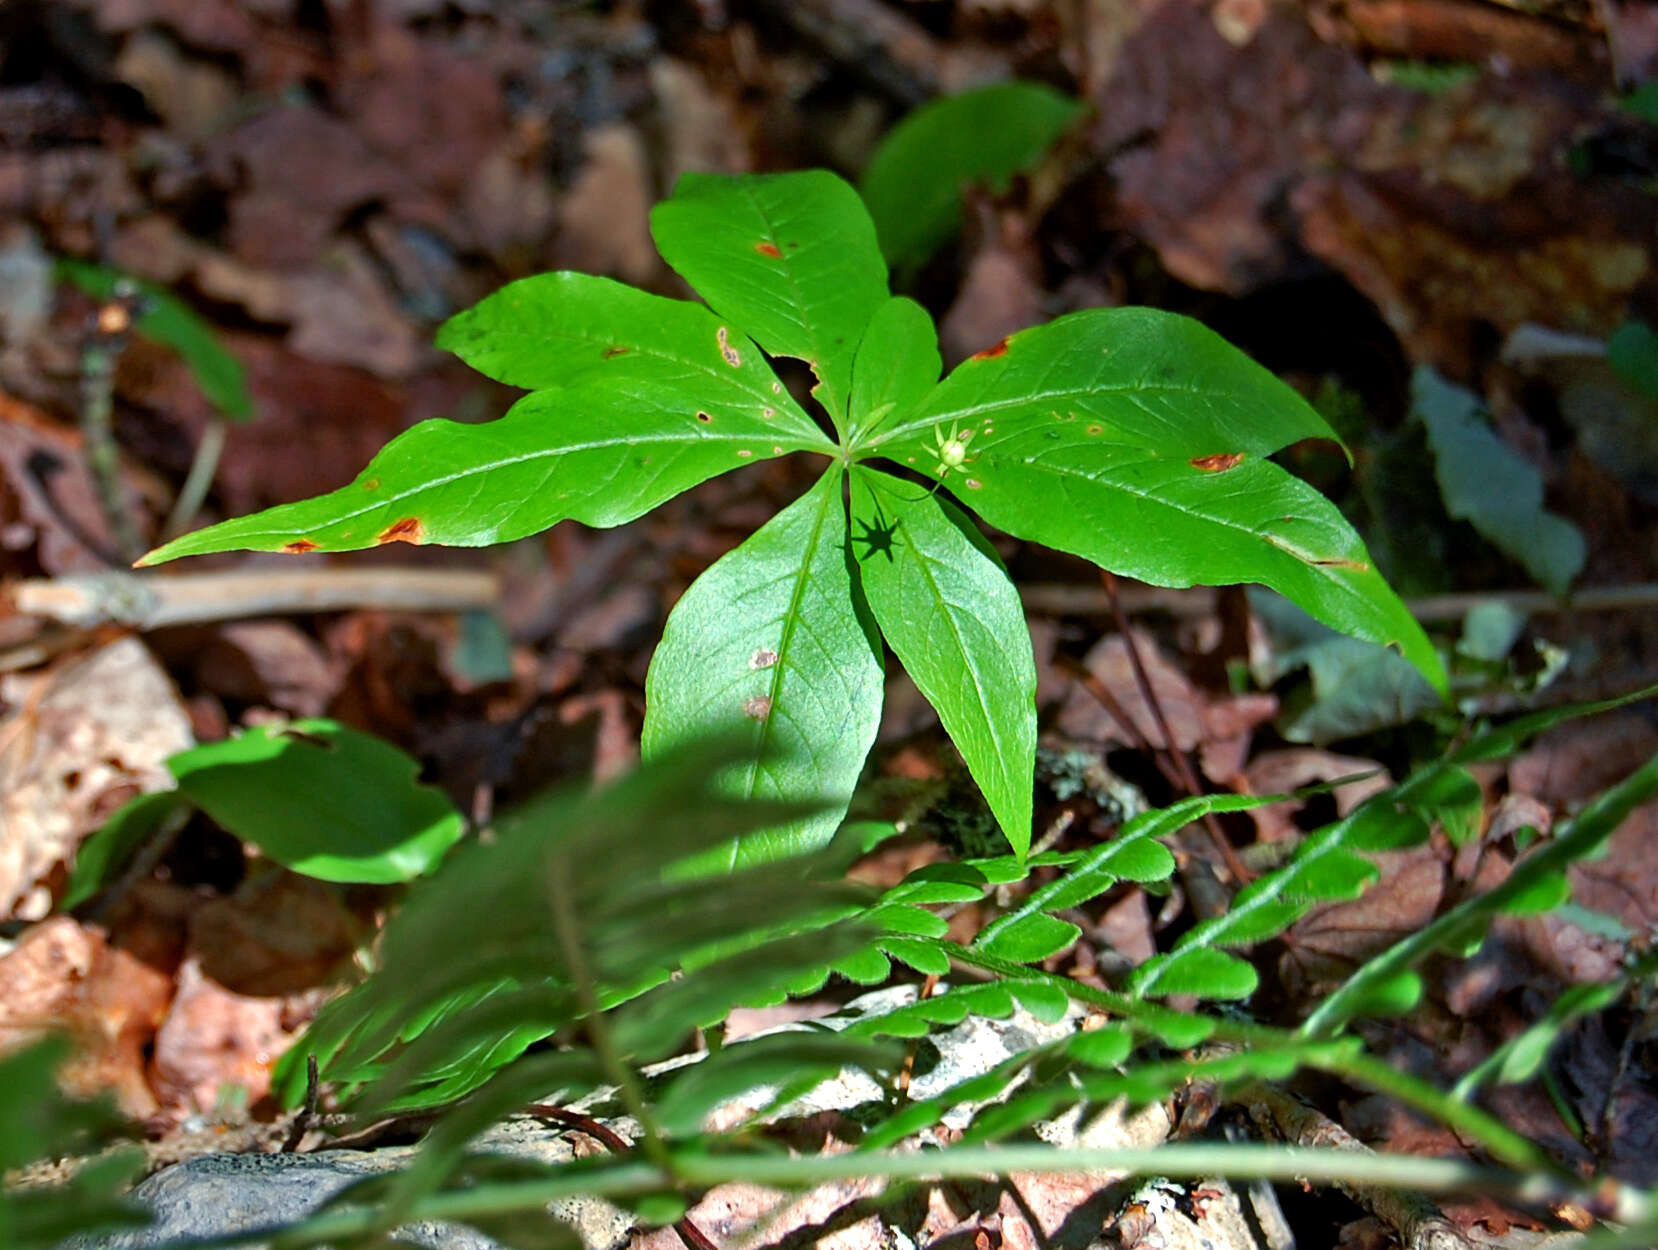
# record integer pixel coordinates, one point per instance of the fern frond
(1536, 884)
(1028, 934)
(1327, 866)
(1519, 1058)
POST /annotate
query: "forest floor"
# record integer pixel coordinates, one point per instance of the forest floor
(1352, 191)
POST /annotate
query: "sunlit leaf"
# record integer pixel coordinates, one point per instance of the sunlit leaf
(768, 644)
(325, 800)
(1139, 440)
(790, 258)
(946, 606)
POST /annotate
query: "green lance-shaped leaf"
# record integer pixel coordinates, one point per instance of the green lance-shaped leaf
(1487, 483)
(791, 258)
(570, 330)
(947, 608)
(601, 454)
(896, 366)
(913, 182)
(771, 644)
(325, 800)
(1138, 439)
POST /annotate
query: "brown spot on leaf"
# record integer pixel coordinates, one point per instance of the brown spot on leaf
(299, 546)
(617, 350)
(766, 248)
(371, 483)
(1357, 566)
(1220, 462)
(990, 353)
(763, 658)
(732, 356)
(408, 530)
(757, 708)
(704, 417)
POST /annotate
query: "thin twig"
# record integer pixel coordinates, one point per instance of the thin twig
(302, 1120)
(1067, 599)
(693, 1237)
(1229, 856)
(159, 600)
(1119, 714)
(1420, 1224)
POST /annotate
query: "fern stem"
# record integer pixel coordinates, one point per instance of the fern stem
(625, 1178)
(1241, 875)
(1587, 832)
(619, 1071)
(1497, 1138)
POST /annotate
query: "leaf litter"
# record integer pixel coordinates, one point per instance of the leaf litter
(326, 195)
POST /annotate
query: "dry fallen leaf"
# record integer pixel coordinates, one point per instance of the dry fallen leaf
(1278, 772)
(1222, 726)
(64, 975)
(604, 219)
(215, 1050)
(76, 743)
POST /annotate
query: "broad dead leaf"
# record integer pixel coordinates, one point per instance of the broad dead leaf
(77, 743)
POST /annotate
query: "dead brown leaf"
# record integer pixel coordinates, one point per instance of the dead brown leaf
(604, 219)
(1220, 725)
(1330, 942)
(294, 174)
(1277, 772)
(67, 976)
(1001, 291)
(279, 934)
(77, 743)
(272, 663)
(48, 507)
(423, 107)
(1575, 761)
(215, 1050)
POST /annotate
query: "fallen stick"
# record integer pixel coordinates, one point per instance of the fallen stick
(157, 600)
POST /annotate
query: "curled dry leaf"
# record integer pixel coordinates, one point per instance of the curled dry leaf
(1278, 772)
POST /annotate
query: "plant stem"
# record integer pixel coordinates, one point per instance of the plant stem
(625, 1178)
(197, 482)
(1240, 874)
(620, 1072)
(103, 458)
(1496, 1137)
